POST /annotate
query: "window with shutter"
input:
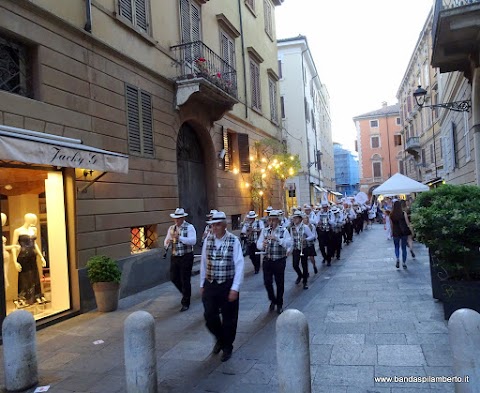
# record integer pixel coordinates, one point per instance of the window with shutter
(139, 122)
(243, 153)
(466, 134)
(190, 21)
(267, 10)
(375, 141)
(255, 85)
(136, 12)
(226, 147)
(377, 169)
(272, 87)
(282, 106)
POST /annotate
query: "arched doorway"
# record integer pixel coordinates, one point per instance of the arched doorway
(191, 179)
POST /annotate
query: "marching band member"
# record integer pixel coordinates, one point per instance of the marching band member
(275, 240)
(312, 217)
(324, 233)
(310, 248)
(336, 223)
(208, 228)
(182, 237)
(300, 233)
(251, 229)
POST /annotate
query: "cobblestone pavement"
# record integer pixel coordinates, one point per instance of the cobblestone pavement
(366, 319)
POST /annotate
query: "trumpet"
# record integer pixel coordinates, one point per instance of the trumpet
(173, 232)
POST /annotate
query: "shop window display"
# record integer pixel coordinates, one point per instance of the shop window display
(34, 241)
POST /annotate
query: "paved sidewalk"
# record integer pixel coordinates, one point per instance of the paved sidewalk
(367, 319)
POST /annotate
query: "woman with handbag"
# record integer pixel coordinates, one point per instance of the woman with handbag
(400, 232)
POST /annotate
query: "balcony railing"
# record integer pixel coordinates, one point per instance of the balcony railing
(412, 143)
(197, 60)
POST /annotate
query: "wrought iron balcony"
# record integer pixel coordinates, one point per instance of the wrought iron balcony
(197, 60)
(455, 34)
(413, 146)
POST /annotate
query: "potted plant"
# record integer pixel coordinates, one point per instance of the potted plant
(447, 221)
(104, 275)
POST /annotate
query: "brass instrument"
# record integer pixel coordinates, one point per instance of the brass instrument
(267, 244)
(173, 232)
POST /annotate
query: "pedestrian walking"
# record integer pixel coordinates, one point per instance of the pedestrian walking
(324, 233)
(310, 248)
(181, 237)
(221, 275)
(400, 232)
(275, 240)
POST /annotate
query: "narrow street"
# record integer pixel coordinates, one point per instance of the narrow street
(366, 318)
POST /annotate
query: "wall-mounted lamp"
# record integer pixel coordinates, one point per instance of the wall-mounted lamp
(457, 106)
(221, 154)
(8, 187)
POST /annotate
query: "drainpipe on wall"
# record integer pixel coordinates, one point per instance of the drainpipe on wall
(476, 120)
(88, 14)
(243, 57)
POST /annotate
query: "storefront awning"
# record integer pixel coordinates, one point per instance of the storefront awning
(318, 188)
(33, 147)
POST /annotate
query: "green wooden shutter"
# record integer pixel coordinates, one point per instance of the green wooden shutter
(243, 153)
(147, 124)
(133, 120)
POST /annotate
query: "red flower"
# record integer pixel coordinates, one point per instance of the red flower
(201, 59)
(219, 75)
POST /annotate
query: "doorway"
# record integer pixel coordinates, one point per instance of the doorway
(192, 192)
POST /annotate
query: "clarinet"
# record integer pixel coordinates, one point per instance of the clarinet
(165, 251)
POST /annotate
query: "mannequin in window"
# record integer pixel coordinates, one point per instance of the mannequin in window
(25, 261)
(6, 253)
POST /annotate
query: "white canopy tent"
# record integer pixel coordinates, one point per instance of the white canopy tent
(399, 184)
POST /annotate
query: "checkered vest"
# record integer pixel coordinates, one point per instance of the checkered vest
(297, 236)
(220, 264)
(274, 250)
(254, 234)
(180, 248)
(323, 221)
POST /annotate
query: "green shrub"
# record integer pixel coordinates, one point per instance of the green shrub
(447, 220)
(101, 268)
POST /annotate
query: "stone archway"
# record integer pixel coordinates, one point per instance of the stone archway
(191, 172)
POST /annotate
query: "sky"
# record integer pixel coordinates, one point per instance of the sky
(361, 50)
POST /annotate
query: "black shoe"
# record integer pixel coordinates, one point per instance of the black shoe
(397, 265)
(338, 258)
(329, 264)
(315, 270)
(279, 309)
(272, 306)
(413, 254)
(227, 354)
(217, 348)
(256, 271)
(323, 261)
(404, 265)
(184, 308)
(305, 286)
(297, 281)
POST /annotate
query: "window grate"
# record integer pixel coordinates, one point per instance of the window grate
(14, 68)
(143, 238)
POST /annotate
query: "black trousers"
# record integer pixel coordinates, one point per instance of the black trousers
(215, 302)
(324, 244)
(252, 249)
(180, 273)
(337, 244)
(274, 269)
(296, 258)
(349, 231)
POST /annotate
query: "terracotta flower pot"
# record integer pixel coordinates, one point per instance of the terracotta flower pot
(106, 295)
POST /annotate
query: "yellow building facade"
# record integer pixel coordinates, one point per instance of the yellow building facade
(182, 89)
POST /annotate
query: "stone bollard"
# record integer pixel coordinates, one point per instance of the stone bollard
(140, 356)
(464, 337)
(20, 351)
(293, 353)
